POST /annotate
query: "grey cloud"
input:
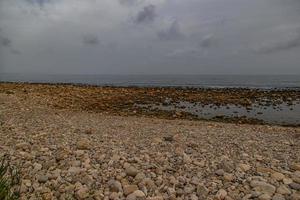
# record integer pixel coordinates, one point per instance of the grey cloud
(15, 51)
(6, 42)
(40, 3)
(146, 15)
(289, 42)
(207, 41)
(172, 33)
(129, 2)
(184, 52)
(91, 40)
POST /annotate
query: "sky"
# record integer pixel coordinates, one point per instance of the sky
(150, 36)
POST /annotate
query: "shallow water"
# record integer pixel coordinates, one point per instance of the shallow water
(282, 114)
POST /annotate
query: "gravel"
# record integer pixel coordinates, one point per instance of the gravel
(65, 154)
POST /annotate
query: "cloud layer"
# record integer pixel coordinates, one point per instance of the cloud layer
(150, 36)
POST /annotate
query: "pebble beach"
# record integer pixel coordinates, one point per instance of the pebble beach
(68, 153)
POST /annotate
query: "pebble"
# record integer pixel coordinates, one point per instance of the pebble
(131, 171)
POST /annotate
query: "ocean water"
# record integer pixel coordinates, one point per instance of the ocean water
(201, 81)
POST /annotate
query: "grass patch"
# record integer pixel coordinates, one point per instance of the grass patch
(9, 180)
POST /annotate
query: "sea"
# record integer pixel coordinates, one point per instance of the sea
(196, 81)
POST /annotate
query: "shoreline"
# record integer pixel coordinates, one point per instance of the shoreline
(149, 86)
(158, 101)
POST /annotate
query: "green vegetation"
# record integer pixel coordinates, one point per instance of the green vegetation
(9, 180)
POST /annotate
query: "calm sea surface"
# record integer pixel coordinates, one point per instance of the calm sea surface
(219, 81)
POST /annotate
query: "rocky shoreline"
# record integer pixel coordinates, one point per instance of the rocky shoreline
(69, 152)
(124, 101)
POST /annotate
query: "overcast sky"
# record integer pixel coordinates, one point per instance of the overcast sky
(150, 36)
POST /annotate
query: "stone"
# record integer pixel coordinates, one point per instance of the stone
(83, 144)
(186, 158)
(277, 176)
(278, 197)
(42, 178)
(287, 181)
(295, 166)
(37, 167)
(228, 177)
(221, 194)
(188, 189)
(283, 190)
(137, 195)
(265, 197)
(295, 186)
(115, 186)
(244, 167)
(128, 189)
(114, 196)
(263, 187)
(220, 172)
(202, 191)
(131, 171)
(82, 192)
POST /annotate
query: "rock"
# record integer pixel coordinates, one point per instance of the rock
(114, 196)
(194, 197)
(264, 170)
(295, 196)
(83, 144)
(139, 177)
(219, 172)
(278, 197)
(221, 194)
(128, 189)
(186, 158)
(115, 186)
(82, 192)
(228, 177)
(265, 197)
(278, 176)
(189, 189)
(202, 191)
(155, 198)
(287, 181)
(263, 187)
(37, 167)
(131, 171)
(283, 190)
(169, 138)
(295, 166)
(244, 167)
(42, 179)
(137, 195)
(295, 186)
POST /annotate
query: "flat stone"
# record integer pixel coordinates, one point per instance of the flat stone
(263, 187)
(283, 190)
(128, 189)
(278, 176)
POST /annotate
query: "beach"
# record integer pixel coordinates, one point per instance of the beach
(86, 142)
